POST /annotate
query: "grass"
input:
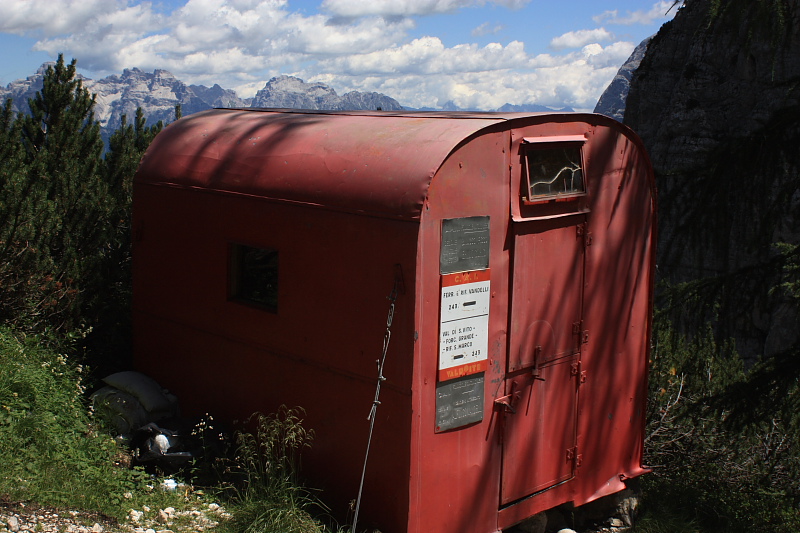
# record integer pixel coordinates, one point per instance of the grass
(269, 496)
(51, 451)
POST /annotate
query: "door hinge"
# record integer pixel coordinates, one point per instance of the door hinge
(575, 370)
(574, 456)
(583, 334)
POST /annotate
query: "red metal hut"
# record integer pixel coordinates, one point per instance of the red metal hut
(522, 249)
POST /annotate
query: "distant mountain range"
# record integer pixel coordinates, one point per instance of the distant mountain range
(158, 93)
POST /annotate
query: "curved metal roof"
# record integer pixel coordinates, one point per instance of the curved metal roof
(372, 162)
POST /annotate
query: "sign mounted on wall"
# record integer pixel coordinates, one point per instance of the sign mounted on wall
(464, 324)
(459, 402)
(465, 244)
(466, 292)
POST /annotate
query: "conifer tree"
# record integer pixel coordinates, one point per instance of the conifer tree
(17, 218)
(126, 147)
(58, 206)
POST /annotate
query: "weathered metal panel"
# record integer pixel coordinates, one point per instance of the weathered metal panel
(459, 402)
(465, 244)
(545, 339)
(547, 291)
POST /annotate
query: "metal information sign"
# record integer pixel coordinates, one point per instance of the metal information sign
(459, 402)
(465, 244)
(464, 324)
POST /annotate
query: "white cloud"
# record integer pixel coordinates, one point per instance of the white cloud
(51, 17)
(487, 29)
(580, 38)
(314, 35)
(428, 55)
(360, 8)
(660, 11)
(425, 73)
(207, 38)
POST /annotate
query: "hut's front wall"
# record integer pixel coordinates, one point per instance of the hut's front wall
(455, 474)
(316, 350)
(574, 430)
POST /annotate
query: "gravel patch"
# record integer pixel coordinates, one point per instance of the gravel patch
(24, 517)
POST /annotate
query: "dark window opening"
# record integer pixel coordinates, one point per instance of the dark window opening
(254, 276)
(554, 172)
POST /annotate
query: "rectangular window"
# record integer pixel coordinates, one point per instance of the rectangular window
(554, 172)
(254, 276)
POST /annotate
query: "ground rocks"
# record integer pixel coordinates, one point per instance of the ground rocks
(16, 518)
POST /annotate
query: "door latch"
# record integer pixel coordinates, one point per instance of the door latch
(509, 400)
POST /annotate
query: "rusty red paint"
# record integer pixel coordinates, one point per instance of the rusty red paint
(344, 198)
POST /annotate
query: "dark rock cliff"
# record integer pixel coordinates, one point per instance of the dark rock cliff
(612, 101)
(716, 100)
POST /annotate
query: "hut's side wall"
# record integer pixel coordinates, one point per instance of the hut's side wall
(317, 350)
(617, 311)
(571, 424)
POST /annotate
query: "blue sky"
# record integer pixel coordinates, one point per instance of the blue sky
(477, 53)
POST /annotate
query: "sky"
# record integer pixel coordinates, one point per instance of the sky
(479, 54)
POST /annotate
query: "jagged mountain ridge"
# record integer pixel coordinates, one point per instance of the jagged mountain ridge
(158, 93)
(612, 101)
(293, 93)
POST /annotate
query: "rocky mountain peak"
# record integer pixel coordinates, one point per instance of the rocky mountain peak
(293, 93)
(163, 74)
(612, 101)
(158, 92)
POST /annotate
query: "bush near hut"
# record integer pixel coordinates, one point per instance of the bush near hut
(716, 467)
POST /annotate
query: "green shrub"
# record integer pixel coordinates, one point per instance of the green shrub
(713, 473)
(269, 496)
(51, 451)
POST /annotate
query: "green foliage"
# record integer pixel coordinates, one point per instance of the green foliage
(50, 448)
(55, 205)
(65, 217)
(65, 254)
(111, 317)
(270, 496)
(716, 476)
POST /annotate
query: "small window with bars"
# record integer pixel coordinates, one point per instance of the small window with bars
(554, 171)
(254, 276)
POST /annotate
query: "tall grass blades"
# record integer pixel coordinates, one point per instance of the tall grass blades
(270, 497)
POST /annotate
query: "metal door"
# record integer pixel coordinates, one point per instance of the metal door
(539, 408)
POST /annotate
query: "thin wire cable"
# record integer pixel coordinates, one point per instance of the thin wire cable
(376, 402)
